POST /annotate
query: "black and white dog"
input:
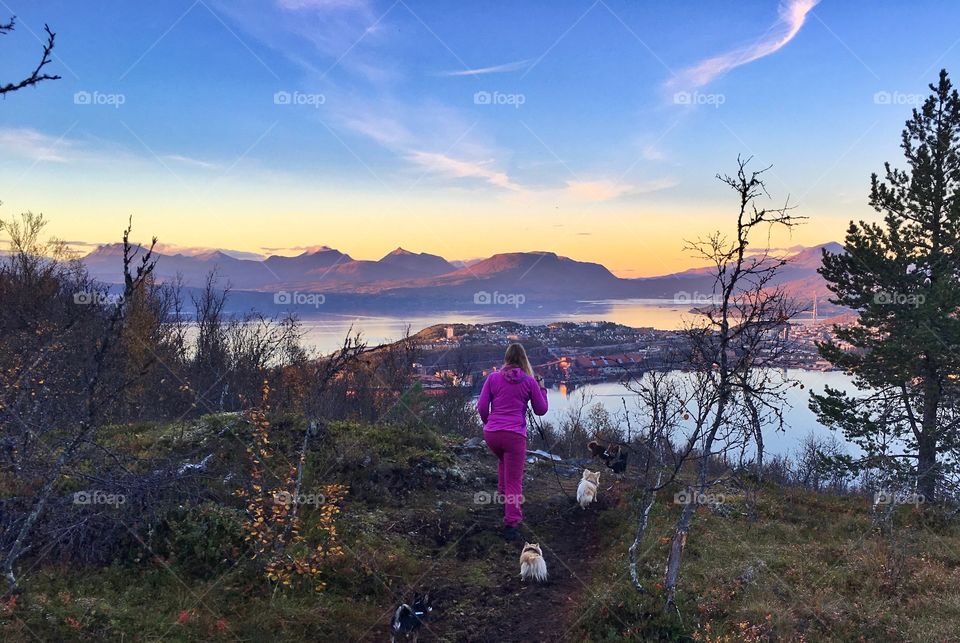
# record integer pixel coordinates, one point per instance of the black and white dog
(407, 620)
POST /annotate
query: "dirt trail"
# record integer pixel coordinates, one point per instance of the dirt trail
(504, 608)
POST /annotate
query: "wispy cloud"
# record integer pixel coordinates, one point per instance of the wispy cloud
(201, 251)
(792, 16)
(652, 152)
(33, 145)
(444, 165)
(596, 190)
(293, 249)
(495, 69)
(186, 160)
(605, 190)
(355, 65)
(434, 138)
(378, 126)
(338, 34)
(75, 244)
(85, 247)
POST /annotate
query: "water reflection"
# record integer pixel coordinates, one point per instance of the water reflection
(800, 420)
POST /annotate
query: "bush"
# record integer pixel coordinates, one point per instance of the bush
(202, 540)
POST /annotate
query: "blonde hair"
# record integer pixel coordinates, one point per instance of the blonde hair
(516, 356)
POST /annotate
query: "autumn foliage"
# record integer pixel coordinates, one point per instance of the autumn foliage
(289, 549)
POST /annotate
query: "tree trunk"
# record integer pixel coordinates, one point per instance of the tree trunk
(650, 497)
(757, 435)
(927, 474)
(672, 572)
(927, 467)
(686, 516)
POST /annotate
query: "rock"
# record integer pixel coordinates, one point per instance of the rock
(448, 474)
(543, 454)
(191, 467)
(473, 443)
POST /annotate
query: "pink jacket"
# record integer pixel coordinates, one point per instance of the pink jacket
(503, 400)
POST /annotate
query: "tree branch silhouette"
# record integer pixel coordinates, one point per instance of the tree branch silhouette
(37, 75)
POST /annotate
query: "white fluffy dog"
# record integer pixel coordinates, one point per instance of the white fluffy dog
(587, 489)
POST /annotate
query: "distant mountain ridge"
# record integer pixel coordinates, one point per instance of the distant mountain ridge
(402, 276)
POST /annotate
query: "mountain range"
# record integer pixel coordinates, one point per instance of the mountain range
(404, 278)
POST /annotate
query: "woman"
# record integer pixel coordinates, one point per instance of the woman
(503, 409)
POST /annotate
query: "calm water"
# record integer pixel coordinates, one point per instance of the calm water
(799, 418)
(326, 333)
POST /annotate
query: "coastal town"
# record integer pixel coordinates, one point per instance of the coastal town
(576, 353)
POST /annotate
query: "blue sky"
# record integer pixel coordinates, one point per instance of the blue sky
(590, 128)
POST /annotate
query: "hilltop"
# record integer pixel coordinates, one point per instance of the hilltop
(790, 564)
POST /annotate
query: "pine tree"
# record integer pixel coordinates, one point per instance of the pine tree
(903, 278)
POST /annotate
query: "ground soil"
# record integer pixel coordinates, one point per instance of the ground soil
(500, 607)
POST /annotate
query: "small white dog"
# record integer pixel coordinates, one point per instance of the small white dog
(587, 489)
(532, 565)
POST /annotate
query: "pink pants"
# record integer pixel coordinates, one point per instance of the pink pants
(511, 450)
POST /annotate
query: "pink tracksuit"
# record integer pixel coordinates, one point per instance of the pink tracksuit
(503, 409)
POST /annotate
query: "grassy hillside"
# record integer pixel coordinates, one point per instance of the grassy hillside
(805, 567)
(792, 565)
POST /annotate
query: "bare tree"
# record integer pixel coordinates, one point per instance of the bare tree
(733, 341)
(37, 75)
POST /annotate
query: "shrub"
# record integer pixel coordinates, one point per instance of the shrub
(202, 540)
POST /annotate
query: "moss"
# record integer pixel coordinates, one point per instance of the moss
(386, 459)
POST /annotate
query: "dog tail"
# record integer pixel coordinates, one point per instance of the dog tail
(535, 570)
(539, 570)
